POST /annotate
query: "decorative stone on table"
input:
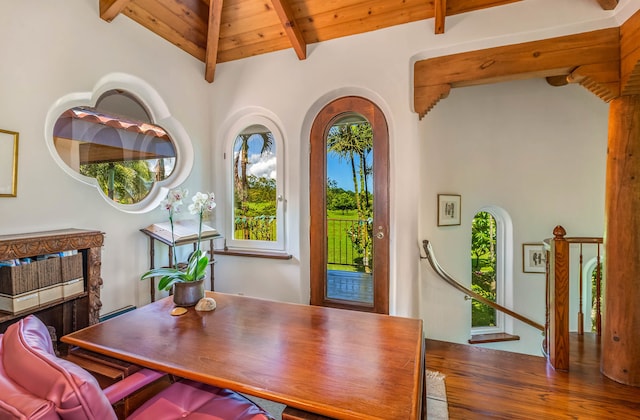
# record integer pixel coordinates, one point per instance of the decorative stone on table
(206, 304)
(177, 311)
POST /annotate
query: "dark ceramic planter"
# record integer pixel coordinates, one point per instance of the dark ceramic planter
(188, 293)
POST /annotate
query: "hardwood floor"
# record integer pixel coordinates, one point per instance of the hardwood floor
(483, 383)
(352, 286)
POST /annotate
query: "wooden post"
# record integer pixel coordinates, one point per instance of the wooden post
(558, 339)
(547, 300)
(599, 294)
(580, 300)
(621, 334)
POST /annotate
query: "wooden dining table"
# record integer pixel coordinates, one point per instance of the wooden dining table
(331, 362)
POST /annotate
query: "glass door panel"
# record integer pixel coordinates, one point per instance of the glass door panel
(349, 212)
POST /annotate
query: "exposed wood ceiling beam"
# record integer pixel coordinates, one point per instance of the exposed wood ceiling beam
(602, 79)
(630, 55)
(559, 80)
(544, 58)
(213, 37)
(429, 96)
(605, 79)
(608, 4)
(440, 11)
(109, 9)
(285, 13)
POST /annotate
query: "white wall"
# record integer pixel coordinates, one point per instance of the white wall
(48, 51)
(375, 66)
(520, 130)
(536, 151)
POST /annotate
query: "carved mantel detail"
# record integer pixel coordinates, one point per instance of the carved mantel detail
(88, 242)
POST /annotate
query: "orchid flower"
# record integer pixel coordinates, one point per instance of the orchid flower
(203, 203)
(172, 203)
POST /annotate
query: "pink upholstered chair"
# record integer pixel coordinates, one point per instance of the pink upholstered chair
(35, 383)
(16, 402)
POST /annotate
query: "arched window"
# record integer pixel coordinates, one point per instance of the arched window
(592, 272)
(491, 269)
(254, 157)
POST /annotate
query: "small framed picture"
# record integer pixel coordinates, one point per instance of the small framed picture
(8, 163)
(534, 258)
(448, 209)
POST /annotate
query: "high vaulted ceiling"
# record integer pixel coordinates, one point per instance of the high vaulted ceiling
(216, 31)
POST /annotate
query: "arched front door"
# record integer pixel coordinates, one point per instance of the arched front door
(349, 201)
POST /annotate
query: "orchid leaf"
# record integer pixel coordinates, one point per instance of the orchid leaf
(196, 267)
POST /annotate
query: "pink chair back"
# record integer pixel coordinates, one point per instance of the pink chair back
(30, 362)
(17, 403)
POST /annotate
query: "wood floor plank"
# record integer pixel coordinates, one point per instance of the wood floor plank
(483, 383)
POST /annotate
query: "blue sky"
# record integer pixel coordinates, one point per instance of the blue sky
(338, 170)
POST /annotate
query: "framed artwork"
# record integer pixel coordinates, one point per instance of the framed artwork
(534, 258)
(448, 209)
(8, 163)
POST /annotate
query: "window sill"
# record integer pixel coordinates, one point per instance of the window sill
(492, 338)
(253, 254)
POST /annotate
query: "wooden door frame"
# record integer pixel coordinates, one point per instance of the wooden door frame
(317, 199)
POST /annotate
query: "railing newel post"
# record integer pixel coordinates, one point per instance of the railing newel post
(558, 339)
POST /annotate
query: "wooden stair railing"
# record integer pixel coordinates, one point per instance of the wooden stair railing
(451, 281)
(556, 344)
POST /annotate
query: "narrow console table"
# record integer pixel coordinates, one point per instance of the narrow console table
(66, 314)
(153, 237)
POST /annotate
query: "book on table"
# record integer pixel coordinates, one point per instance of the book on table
(183, 231)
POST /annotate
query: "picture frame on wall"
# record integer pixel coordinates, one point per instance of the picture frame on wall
(8, 163)
(534, 258)
(449, 209)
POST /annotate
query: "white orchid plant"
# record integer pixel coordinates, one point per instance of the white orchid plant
(196, 267)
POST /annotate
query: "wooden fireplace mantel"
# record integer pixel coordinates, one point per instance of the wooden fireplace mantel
(72, 313)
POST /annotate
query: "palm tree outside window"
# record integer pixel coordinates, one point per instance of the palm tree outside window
(350, 139)
(257, 200)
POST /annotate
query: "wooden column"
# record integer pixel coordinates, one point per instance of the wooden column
(621, 334)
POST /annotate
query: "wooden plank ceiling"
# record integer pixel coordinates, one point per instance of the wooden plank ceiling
(217, 31)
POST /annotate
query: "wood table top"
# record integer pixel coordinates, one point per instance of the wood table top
(333, 362)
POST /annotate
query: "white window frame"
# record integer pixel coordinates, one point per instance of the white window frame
(504, 271)
(151, 100)
(255, 118)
